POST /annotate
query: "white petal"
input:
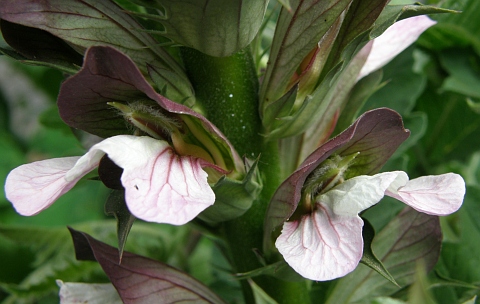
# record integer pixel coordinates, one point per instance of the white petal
(359, 193)
(435, 195)
(160, 186)
(34, 187)
(322, 246)
(71, 293)
(393, 41)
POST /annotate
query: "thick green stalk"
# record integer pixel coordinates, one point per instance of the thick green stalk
(227, 89)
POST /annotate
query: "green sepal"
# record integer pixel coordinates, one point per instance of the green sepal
(172, 85)
(317, 102)
(278, 110)
(233, 197)
(117, 207)
(214, 27)
(369, 258)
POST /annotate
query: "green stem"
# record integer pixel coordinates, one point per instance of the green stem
(227, 89)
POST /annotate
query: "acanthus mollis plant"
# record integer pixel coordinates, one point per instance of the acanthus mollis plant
(189, 133)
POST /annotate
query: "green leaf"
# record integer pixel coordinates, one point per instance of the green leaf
(369, 258)
(261, 297)
(455, 29)
(217, 28)
(11, 156)
(440, 280)
(407, 238)
(460, 259)
(399, 77)
(386, 300)
(417, 123)
(53, 260)
(471, 301)
(475, 106)
(453, 127)
(463, 68)
(51, 119)
(418, 292)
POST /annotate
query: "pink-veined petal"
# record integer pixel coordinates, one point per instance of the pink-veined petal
(434, 195)
(160, 186)
(323, 245)
(393, 41)
(34, 187)
(359, 193)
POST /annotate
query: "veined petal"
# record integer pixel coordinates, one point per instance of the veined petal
(434, 195)
(323, 245)
(361, 192)
(87, 293)
(34, 187)
(393, 41)
(160, 186)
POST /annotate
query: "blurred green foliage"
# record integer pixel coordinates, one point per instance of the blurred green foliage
(434, 85)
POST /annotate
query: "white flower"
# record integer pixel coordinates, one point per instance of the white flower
(327, 243)
(160, 186)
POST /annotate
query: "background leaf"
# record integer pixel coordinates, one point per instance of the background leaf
(139, 279)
